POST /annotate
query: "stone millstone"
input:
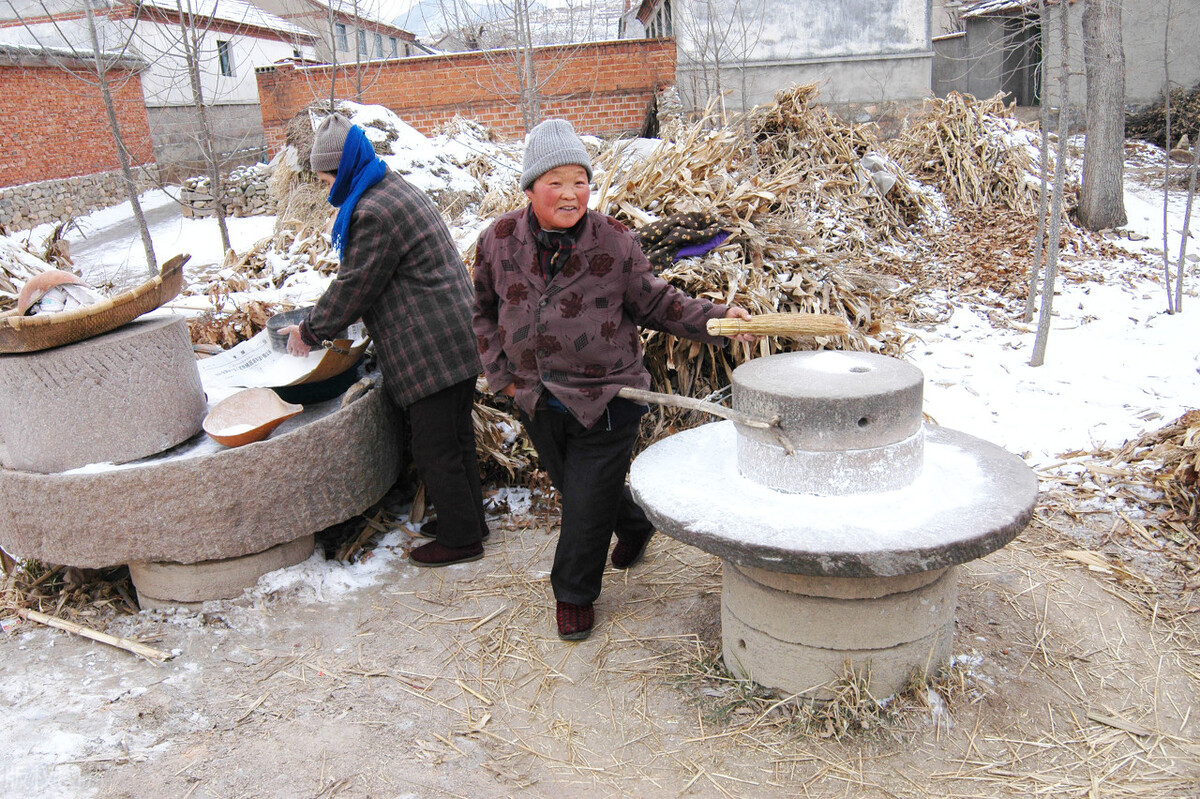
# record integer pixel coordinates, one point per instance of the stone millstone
(310, 474)
(114, 398)
(853, 419)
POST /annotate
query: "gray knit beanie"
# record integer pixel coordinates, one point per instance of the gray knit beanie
(552, 143)
(328, 142)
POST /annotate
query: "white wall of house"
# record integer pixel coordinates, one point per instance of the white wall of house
(223, 80)
(858, 51)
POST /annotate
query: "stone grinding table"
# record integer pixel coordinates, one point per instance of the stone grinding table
(196, 521)
(845, 551)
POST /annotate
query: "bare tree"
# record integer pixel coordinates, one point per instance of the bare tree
(716, 40)
(1192, 156)
(191, 39)
(1039, 245)
(1102, 194)
(1045, 310)
(103, 67)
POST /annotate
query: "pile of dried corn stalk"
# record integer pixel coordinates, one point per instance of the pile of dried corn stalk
(1168, 461)
(812, 229)
(1158, 473)
(973, 150)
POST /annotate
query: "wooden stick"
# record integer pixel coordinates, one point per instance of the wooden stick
(87, 632)
(781, 324)
(687, 403)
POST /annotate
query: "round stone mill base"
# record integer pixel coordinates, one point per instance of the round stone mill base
(792, 629)
(841, 531)
(164, 584)
(203, 521)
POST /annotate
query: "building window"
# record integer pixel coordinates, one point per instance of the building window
(660, 26)
(225, 57)
(394, 50)
(378, 46)
(362, 44)
(342, 43)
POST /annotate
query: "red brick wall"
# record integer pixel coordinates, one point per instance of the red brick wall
(601, 88)
(53, 125)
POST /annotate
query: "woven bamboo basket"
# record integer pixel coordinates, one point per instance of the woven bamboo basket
(32, 333)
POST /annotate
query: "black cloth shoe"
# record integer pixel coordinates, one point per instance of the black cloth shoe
(575, 622)
(429, 530)
(435, 554)
(628, 551)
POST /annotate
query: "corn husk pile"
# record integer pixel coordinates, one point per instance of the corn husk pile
(226, 330)
(813, 228)
(1159, 474)
(1167, 461)
(21, 261)
(70, 593)
(974, 150)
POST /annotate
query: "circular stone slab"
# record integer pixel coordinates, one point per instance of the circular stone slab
(853, 420)
(830, 401)
(205, 502)
(114, 398)
(970, 498)
(166, 585)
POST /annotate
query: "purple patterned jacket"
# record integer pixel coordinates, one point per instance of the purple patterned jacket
(578, 336)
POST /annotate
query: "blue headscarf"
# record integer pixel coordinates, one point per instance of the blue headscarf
(359, 170)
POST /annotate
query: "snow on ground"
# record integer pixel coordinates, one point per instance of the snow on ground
(1116, 365)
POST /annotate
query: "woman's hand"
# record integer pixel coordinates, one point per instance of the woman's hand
(737, 312)
(510, 390)
(295, 344)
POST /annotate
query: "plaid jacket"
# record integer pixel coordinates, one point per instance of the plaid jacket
(402, 275)
(578, 335)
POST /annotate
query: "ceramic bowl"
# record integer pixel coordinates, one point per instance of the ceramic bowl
(248, 416)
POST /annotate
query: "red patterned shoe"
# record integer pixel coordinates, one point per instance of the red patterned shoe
(435, 554)
(629, 551)
(574, 621)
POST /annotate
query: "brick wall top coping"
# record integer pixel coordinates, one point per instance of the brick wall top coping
(481, 55)
(17, 55)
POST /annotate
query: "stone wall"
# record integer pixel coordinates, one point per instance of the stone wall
(32, 204)
(245, 186)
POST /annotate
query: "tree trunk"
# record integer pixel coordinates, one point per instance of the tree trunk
(1039, 245)
(1046, 309)
(191, 50)
(1102, 195)
(122, 152)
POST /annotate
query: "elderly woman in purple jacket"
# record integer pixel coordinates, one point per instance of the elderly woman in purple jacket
(559, 294)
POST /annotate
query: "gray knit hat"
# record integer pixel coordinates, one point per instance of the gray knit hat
(552, 143)
(328, 142)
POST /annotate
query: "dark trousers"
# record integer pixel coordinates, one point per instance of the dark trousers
(588, 467)
(443, 448)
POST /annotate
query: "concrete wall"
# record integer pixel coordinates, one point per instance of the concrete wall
(980, 61)
(842, 81)
(601, 88)
(238, 138)
(859, 51)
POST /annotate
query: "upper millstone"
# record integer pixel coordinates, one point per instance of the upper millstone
(853, 418)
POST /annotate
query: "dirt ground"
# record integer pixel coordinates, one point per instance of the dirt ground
(1071, 680)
